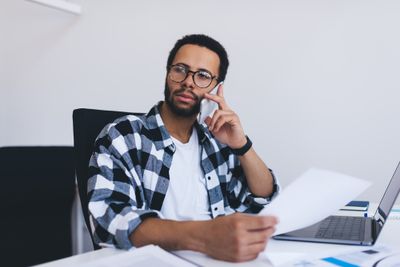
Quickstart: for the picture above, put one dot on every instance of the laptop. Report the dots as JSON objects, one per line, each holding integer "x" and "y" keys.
{"x": 350, "y": 230}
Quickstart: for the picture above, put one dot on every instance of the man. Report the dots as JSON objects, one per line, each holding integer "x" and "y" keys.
{"x": 165, "y": 179}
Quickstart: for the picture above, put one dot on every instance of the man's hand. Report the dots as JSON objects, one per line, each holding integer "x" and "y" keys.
{"x": 238, "y": 237}
{"x": 227, "y": 129}
{"x": 225, "y": 124}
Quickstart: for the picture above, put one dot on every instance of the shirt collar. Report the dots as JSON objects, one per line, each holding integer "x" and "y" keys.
{"x": 162, "y": 138}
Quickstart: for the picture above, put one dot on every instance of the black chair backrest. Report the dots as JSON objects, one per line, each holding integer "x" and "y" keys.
{"x": 37, "y": 193}
{"x": 88, "y": 123}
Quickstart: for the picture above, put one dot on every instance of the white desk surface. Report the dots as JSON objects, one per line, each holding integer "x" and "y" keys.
{"x": 289, "y": 249}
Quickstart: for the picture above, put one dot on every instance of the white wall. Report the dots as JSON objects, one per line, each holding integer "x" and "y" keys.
{"x": 316, "y": 83}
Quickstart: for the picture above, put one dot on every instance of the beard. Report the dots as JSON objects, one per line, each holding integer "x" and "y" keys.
{"x": 182, "y": 112}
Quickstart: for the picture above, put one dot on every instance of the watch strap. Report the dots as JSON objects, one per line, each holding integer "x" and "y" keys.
{"x": 241, "y": 151}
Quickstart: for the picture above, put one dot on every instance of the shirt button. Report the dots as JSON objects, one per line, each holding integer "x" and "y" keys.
{"x": 216, "y": 208}
{"x": 209, "y": 177}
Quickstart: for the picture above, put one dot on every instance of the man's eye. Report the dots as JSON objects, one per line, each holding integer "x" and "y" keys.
{"x": 203, "y": 75}
{"x": 180, "y": 69}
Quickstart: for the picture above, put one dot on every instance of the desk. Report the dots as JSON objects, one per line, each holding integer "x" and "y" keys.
{"x": 275, "y": 247}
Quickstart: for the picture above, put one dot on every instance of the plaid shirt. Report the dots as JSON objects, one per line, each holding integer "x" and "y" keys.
{"x": 129, "y": 177}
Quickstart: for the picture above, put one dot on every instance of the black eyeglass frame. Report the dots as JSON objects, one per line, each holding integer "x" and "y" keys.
{"x": 193, "y": 74}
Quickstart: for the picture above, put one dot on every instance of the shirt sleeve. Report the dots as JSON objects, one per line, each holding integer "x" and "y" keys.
{"x": 116, "y": 199}
{"x": 239, "y": 195}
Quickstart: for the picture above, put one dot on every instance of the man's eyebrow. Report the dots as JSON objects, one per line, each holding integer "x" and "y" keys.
{"x": 183, "y": 64}
{"x": 204, "y": 70}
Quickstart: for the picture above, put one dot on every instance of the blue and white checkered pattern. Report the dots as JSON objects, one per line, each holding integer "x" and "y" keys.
{"x": 129, "y": 177}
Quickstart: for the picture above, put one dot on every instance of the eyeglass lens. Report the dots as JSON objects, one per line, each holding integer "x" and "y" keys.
{"x": 201, "y": 78}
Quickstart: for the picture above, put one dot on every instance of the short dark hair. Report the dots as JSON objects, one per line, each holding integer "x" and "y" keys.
{"x": 207, "y": 42}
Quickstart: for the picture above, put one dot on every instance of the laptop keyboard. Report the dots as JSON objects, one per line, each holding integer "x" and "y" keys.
{"x": 342, "y": 227}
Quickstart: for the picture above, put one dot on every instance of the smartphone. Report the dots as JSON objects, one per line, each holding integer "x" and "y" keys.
{"x": 207, "y": 107}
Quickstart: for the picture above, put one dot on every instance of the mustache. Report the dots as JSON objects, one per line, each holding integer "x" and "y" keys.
{"x": 183, "y": 90}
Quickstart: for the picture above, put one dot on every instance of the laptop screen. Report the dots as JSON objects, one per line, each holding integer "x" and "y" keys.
{"x": 389, "y": 198}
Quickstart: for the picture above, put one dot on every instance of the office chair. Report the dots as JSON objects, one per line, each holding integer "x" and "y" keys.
{"x": 87, "y": 124}
{"x": 37, "y": 192}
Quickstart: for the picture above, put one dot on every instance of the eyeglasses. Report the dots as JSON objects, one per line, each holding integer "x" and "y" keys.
{"x": 201, "y": 78}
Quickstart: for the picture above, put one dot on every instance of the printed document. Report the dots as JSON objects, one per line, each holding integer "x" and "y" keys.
{"x": 149, "y": 255}
{"x": 313, "y": 196}
{"x": 380, "y": 256}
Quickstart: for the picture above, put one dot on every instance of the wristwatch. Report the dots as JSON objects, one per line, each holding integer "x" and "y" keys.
{"x": 241, "y": 151}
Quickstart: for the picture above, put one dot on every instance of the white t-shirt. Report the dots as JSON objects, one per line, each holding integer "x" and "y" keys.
{"x": 187, "y": 197}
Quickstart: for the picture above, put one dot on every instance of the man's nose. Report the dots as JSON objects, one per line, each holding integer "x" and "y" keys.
{"x": 189, "y": 81}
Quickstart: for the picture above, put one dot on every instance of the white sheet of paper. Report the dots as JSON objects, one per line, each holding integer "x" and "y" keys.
{"x": 313, "y": 196}
{"x": 351, "y": 256}
{"x": 149, "y": 255}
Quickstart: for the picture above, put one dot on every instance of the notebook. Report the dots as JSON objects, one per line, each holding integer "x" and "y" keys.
{"x": 350, "y": 230}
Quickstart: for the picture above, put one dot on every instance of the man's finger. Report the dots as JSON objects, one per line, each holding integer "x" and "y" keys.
{"x": 227, "y": 118}
{"x": 207, "y": 120}
{"x": 216, "y": 116}
{"x": 220, "y": 91}
{"x": 251, "y": 252}
{"x": 219, "y": 100}
{"x": 259, "y": 222}
{"x": 261, "y": 236}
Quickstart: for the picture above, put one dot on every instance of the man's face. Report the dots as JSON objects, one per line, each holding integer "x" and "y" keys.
{"x": 184, "y": 97}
